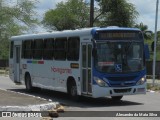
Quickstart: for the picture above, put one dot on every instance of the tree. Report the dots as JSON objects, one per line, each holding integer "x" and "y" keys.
{"x": 144, "y": 28}
{"x": 117, "y": 13}
{"x": 14, "y": 20}
{"x": 158, "y": 35}
{"x": 72, "y": 14}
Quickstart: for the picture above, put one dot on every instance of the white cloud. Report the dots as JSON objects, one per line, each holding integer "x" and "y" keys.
{"x": 45, "y": 5}
{"x": 146, "y": 9}
{"x": 48, "y": 4}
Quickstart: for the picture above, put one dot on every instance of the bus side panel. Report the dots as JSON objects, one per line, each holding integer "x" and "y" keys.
{"x": 42, "y": 74}
{"x": 62, "y": 71}
{"x": 26, "y": 68}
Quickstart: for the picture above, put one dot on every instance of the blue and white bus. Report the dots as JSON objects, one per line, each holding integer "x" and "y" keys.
{"x": 93, "y": 62}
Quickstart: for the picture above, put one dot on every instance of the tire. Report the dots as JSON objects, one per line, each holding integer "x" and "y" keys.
{"x": 73, "y": 92}
{"x": 116, "y": 98}
{"x": 28, "y": 83}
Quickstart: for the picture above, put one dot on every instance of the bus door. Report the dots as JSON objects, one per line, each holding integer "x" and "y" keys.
{"x": 86, "y": 68}
{"x": 17, "y": 64}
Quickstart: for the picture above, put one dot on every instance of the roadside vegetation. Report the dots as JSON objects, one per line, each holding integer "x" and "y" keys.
{"x": 15, "y": 18}
{"x": 156, "y": 87}
{"x": 148, "y": 39}
{"x": 4, "y": 71}
{"x": 149, "y": 42}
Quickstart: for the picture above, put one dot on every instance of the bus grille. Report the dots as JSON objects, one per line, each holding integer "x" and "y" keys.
{"x": 121, "y": 85}
{"x": 122, "y": 78}
{"x": 122, "y": 90}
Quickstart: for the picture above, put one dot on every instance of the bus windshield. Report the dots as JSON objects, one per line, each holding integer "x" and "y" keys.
{"x": 119, "y": 57}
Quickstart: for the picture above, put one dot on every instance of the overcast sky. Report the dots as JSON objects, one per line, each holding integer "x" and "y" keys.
{"x": 146, "y": 9}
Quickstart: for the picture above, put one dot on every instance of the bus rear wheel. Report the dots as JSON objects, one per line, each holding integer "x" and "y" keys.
{"x": 28, "y": 83}
{"x": 116, "y": 98}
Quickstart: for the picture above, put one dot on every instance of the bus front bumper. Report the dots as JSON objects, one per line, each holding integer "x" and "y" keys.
{"x": 98, "y": 91}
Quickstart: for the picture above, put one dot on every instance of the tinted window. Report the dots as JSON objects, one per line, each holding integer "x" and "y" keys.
{"x": 48, "y": 49}
{"x": 27, "y": 49}
{"x": 73, "y": 49}
{"x": 38, "y": 49}
{"x": 60, "y": 48}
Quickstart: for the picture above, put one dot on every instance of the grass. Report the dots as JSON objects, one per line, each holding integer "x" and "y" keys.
{"x": 149, "y": 42}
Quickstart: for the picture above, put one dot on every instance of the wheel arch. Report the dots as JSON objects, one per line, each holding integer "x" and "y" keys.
{"x": 70, "y": 80}
{"x": 26, "y": 73}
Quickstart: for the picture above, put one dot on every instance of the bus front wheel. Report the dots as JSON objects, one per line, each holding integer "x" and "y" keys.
{"x": 73, "y": 92}
{"x": 116, "y": 98}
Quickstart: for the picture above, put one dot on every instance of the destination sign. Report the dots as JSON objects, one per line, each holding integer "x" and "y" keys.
{"x": 119, "y": 35}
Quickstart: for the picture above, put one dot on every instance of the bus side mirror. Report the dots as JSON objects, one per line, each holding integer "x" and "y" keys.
{"x": 146, "y": 51}
{"x": 94, "y": 52}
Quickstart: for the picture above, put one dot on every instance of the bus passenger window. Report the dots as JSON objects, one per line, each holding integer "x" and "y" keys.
{"x": 27, "y": 49}
{"x": 73, "y": 49}
{"x": 38, "y": 49}
{"x": 48, "y": 49}
{"x": 60, "y": 49}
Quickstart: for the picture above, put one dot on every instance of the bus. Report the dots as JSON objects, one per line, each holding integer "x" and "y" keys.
{"x": 93, "y": 62}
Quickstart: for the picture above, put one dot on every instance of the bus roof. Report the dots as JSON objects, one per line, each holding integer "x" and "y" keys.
{"x": 113, "y": 28}
{"x": 69, "y": 33}
{"x": 65, "y": 33}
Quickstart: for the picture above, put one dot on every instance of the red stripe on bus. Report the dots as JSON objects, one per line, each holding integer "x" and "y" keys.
{"x": 40, "y": 62}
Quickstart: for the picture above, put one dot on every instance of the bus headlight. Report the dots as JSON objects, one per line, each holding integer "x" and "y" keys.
{"x": 100, "y": 82}
{"x": 141, "y": 81}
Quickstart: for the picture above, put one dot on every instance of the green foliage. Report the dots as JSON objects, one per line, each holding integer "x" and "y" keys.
{"x": 14, "y": 20}
{"x": 117, "y": 13}
{"x": 67, "y": 15}
{"x": 141, "y": 26}
{"x": 75, "y": 14}
{"x": 158, "y": 35}
{"x": 149, "y": 39}
{"x": 4, "y": 48}
{"x": 24, "y": 12}
{"x": 149, "y": 42}
{"x": 144, "y": 29}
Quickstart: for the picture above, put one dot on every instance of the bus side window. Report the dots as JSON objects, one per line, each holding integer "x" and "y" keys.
{"x": 38, "y": 49}
{"x": 73, "y": 49}
{"x": 27, "y": 49}
{"x": 48, "y": 49}
{"x": 60, "y": 48}
{"x": 11, "y": 49}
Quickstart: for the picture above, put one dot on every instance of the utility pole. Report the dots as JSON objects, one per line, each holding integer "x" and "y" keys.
{"x": 1, "y": 13}
{"x": 91, "y": 12}
{"x": 155, "y": 44}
